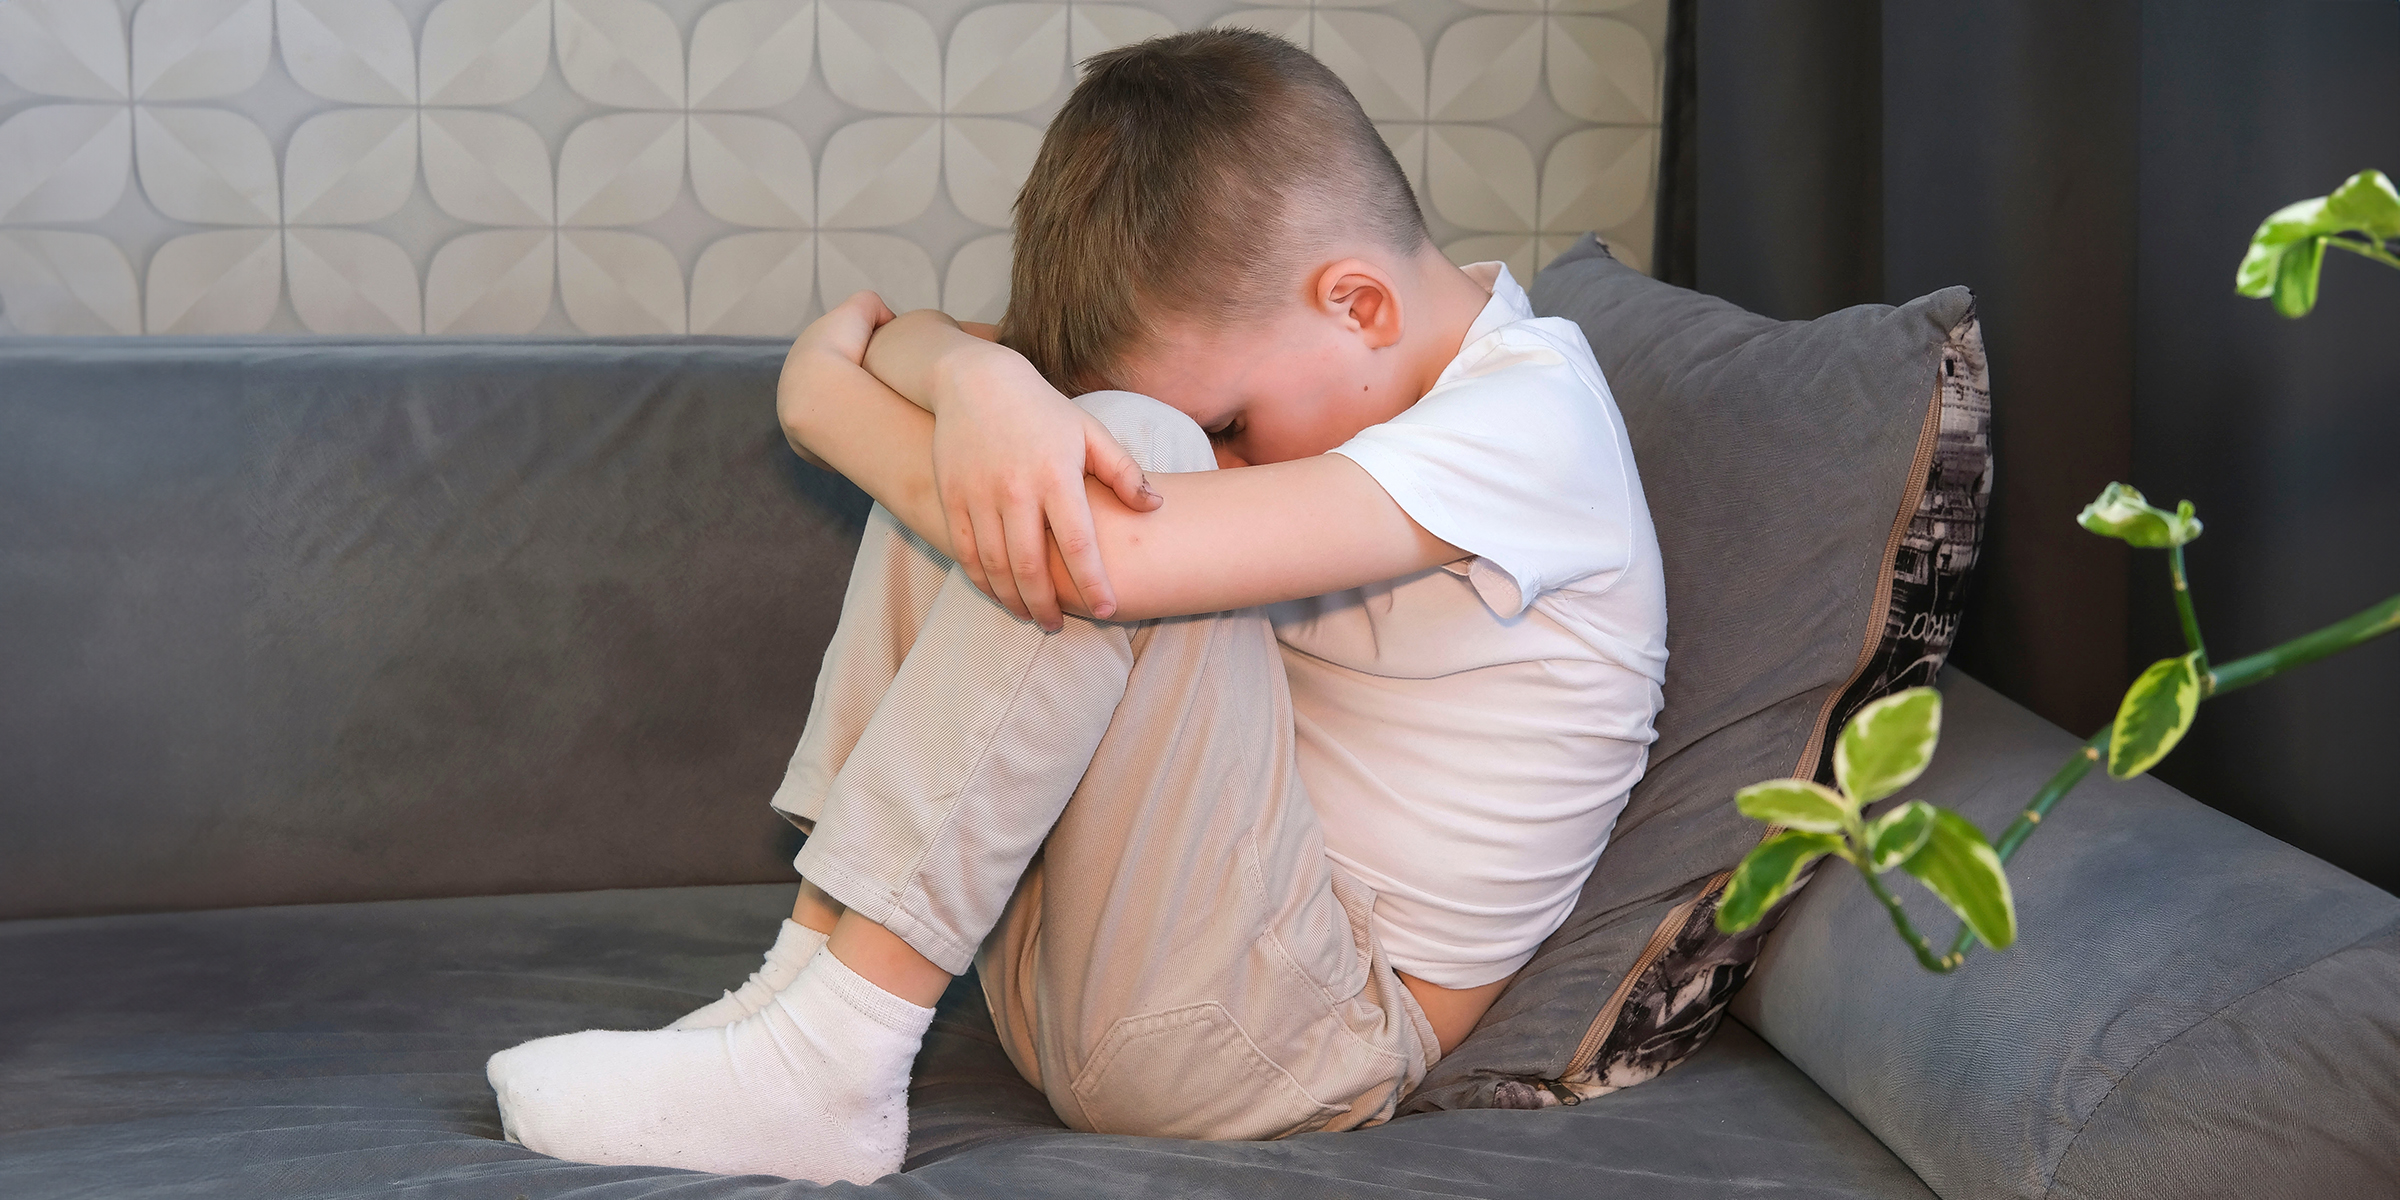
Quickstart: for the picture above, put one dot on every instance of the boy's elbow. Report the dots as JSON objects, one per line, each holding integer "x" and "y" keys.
{"x": 791, "y": 418}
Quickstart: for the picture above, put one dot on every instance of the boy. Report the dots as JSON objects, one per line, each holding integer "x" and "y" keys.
{"x": 1225, "y": 871}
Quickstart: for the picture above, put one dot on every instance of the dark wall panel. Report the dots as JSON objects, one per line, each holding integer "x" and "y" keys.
{"x": 2282, "y": 432}
{"x": 1789, "y": 205}
{"x": 2008, "y": 165}
{"x": 2092, "y": 168}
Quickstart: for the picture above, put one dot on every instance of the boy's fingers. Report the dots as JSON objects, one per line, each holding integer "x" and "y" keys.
{"x": 962, "y": 543}
{"x": 991, "y": 546}
{"x": 1029, "y": 564}
{"x": 1108, "y": 462}
{"x": 1070, "y": 515}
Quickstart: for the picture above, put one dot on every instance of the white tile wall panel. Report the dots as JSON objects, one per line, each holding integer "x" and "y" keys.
{"x": 491, "y": 281}
{"x": 348, "y": 51}
{"x": 755, "y": 284}
{"x": 549, "y": 167}
{"x": 206, "y": 166}
{"x": 222, "y": 281}
{"x": 483, "y": 52}
{"x": 64, "y": 48}
{"x": 75, "y": 283}
{"x": 66, "y": 162}
{"x": 348, "y": 281}
{"x": 486, "y": 168}
{"x": 198, "y": 49}
{"x": 351, "y": 166}
{"x": 749, "y": 54}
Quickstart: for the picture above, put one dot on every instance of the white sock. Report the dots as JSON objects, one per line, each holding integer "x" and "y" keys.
{"x": 813, "y": 1086}
{"x": 795, "y": 944}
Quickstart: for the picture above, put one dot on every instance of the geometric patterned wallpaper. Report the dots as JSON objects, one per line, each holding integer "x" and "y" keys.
{"x": 696, "y": 166}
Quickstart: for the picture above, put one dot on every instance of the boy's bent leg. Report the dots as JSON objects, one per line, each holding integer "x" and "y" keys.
{"x": 1183, "y": 960}
{"x": 893, "y": 580}
{"x": 978, "y": 740}
{"x": 925, "y": 828}
{"x": 1189, "y": 965}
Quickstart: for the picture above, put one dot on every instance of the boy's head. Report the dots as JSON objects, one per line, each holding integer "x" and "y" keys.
{"x": 1195, "y": 190}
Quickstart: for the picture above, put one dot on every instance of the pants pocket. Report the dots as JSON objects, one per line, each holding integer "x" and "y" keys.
{"x": 1192, "y": 1072}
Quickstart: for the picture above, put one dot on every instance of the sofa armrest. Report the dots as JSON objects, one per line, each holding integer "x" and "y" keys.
{"x": 2192, "y": 1008}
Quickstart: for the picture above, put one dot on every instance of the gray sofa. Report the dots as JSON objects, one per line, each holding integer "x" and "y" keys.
{"x": 368, "y": 707}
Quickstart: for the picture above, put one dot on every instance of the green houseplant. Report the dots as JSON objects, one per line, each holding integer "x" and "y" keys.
{"x": 1891, "y": 741}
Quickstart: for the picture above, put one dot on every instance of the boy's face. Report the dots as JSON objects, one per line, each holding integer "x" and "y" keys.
{"x": 1289, "y": 387}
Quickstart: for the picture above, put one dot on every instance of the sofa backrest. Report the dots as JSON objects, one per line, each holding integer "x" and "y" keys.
{"x": 320, "y": 620}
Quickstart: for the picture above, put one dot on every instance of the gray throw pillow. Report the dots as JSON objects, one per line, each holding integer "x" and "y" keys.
{"x": 1819, "y": 490}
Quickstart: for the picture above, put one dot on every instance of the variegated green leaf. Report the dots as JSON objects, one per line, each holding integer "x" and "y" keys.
{"x": 2157, "y": 709}
{"x": 1957, "y": 864}
{"x": 1894, "y": 836}
{"x": 2296, "y": 277}
{"x": 2366, "y": 202}
{"x": 2287, "y": 254}
{"x": 2260, "y": 266}
{"x": 1768, "y": 872}
{"x": 1795, "y": 804}
{"x": 2293, "y": 222}
{"x": 1886, "y": 746}
{"x": 2122, "y": 512}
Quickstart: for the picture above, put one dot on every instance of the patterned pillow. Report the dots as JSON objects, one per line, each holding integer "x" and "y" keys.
{"x": 1819, "y": 491}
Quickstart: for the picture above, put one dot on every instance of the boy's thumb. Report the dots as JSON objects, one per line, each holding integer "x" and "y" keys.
{"x": 1111, "y": 465}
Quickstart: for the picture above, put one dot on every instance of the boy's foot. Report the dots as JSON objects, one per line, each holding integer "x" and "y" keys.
{"x": 795, "y": 944}
{"x": 814, "y": 1086}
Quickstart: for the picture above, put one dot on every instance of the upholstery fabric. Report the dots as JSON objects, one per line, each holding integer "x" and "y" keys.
{"x": 628, "y": 167}
{"x": 1818, "y": 489}
{"x": 2192, "y": 1009}
{"x": 327, "y": 1051}
{"x": 301, "y": 620}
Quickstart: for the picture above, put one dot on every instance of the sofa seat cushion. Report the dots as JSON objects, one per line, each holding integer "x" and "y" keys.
{"x": 338, "y": 1050}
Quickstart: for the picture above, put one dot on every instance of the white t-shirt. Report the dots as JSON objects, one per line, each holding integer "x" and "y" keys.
{"x": 1468, "y": 734}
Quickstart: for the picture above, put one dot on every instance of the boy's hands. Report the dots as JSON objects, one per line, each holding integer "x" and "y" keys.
{"x": 1009, "y": 453}
{"x": 1009, "y": 459}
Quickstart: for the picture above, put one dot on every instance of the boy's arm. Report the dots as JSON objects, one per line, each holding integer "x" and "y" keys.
{"x": 1224, "y": 539}
{"x": 1247, "y": 536}
{"x": 837, "y": 416}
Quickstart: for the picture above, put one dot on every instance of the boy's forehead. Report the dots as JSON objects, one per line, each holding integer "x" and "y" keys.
{"x": 1190, "y": 378}
{"x": 1176, "y": 350}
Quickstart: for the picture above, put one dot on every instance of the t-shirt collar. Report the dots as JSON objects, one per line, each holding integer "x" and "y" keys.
{"x": 1507, "y": 306}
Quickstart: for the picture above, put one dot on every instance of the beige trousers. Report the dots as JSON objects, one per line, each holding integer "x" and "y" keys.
{"x": 1107, "y": 822}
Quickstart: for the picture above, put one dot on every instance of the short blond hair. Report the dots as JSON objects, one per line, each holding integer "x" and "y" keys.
{"x": 1184, "y": 177}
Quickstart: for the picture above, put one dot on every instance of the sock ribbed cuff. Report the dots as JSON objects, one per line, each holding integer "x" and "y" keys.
{"x": 795, "y": 941}
{"x": 874, "y": 1003}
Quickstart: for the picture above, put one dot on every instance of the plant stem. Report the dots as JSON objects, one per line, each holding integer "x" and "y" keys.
{"x": 1940, "y": 965}
{"x": 2373, "y": 250}
{"x": 2095, "y": 748}
{"x": 2183, "y": 609}
{"x": 2366, "y": 625}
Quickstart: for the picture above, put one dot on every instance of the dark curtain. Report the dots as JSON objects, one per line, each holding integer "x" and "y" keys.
{"x": 2092, "y": 168}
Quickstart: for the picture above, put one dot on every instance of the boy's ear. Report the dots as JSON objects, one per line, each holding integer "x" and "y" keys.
{"x": 1363, "y": 296}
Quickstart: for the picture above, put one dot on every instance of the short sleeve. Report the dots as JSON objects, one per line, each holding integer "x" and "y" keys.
{"x": 1518, "y": 457}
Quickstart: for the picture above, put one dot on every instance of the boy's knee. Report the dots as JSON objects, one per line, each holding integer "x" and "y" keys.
{"x": 1155, "y": 434}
